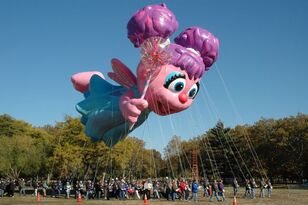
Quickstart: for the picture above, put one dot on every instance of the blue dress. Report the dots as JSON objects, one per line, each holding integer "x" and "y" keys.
{"x": 101, "y": 113}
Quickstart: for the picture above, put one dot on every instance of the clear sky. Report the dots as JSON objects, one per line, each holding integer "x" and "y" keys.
{"x": 262, "y": 68}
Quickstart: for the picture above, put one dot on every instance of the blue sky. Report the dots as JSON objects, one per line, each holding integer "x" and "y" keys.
{"x": 261, "y": 71}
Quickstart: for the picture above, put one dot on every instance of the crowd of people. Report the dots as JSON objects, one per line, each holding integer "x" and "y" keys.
{"x": 216, "y": 189}
{"x": 251, "y": 186}
{"x": 124, "y": 189}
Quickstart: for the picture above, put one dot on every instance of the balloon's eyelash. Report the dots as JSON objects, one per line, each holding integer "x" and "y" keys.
{"x": 170, "y": 80}
{"x": 198, "y": 85}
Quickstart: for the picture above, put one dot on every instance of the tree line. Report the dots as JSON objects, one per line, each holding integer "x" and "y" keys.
{"x": 267, "y": 149}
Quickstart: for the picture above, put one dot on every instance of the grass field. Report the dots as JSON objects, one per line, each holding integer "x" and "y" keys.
{"x": 279, "y": 197}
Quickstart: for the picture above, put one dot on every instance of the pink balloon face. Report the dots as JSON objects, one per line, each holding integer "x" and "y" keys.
{"x": 171, "y": 90}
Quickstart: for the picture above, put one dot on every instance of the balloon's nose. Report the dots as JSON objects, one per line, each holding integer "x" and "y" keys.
{"x": 183, "y": 98}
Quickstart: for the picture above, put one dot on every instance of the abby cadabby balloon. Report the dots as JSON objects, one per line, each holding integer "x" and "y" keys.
{"x": 166, "y": 82}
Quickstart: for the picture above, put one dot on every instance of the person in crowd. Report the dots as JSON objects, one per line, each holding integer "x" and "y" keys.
{"x": 59, "y": 188}
{"x": 156, "y": 187}
{"x": 35, "y": 185}
{"x": 11, "y": 188}
{"x": 194, "y": 190}
{"x": 221, "y": 190}
{"x": 122, "y": 189}
{"x": 168, "y": 188}
{"x": 247, "y": 189}
{"x": 102, "y": 186}
{"x": 182, "y": 189}
{"x": 53, "y": 188}
{"x": 81, "y": 188}
{"x": 269, "y": 188}
{"x": 126, "y": 188}
{"x": 262, "y": 187}
{"x": 68, "y": 188}
{"x": 2, "y": 187}
{"x": 148, "y": 186}
{"x": 110, "y": 189}
{"x": 22, "y": 187}
{"x": 215, "y": 191}
{"x": 90, "y": 189}
{"x": 44, "y": 187}
{"x": 117, "y": 188}
{"x": 210, "y": 192}
{"x": 131, "y": 191}
{"x": 187, "y": 192}
{"x": 253, "y": 185}
{"x": 75, "y": 187}
{"x": 174, "y": 190}
{"x": 105, "y": 188}
{"x": 206, "y": 185}
{"x": 235, "y": 186}
{"x": 98, "y": 189}
{"x": 139, "y": 189}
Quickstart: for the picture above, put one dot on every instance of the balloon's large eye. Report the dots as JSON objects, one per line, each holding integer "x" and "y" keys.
{"x": 177, "y": 85}
{"x": 193, "y": 91}
{"x": 175, "y": 82}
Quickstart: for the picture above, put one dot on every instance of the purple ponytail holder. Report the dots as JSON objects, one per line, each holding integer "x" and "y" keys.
{"x": 202, "y": 41}
{"x": 151, "y": 21}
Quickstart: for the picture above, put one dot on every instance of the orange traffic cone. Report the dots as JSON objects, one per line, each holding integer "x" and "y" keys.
{"x": 145, "y": 201}
{"x": 38, "y": 197}
{"x": 234, "y": 201}
{"x": 79, "y": 198}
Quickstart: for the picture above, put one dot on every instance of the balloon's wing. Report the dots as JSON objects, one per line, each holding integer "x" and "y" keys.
{"x": 122, "y": 74}
{"x": 99, "y": 95}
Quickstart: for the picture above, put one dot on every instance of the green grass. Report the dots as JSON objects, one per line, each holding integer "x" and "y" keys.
{"x": 279, "y": 197}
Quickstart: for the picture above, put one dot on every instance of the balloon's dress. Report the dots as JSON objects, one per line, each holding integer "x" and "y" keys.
{"x": 101, "y": 113}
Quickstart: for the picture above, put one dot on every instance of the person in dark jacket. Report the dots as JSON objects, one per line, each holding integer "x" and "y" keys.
{"x": 59, "y": 188}
{"x": 206, "y": 187}
{"x": 98, "y": 189}
{"x": 248, "y": 189}
{"x": 235, "y": 187}
{"x": 168, "y": 186}
{"x": 12, "y": 186}
{"x": 215, "y": 191}
{"x": 221, "y": 189}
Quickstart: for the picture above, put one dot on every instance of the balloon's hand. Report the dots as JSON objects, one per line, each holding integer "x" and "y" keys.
{"x": 132, "y": 107}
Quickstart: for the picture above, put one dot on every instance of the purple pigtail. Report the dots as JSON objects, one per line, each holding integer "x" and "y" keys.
{"x": 187, "y": 60}
{"x": 202, "y": 41}
{"x": 150, "y": 21}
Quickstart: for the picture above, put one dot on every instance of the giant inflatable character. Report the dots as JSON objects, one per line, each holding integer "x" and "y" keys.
{"x": 167, "y": 78}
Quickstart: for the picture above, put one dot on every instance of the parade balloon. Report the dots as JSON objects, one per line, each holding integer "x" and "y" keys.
{"x": 167, "y": 79}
